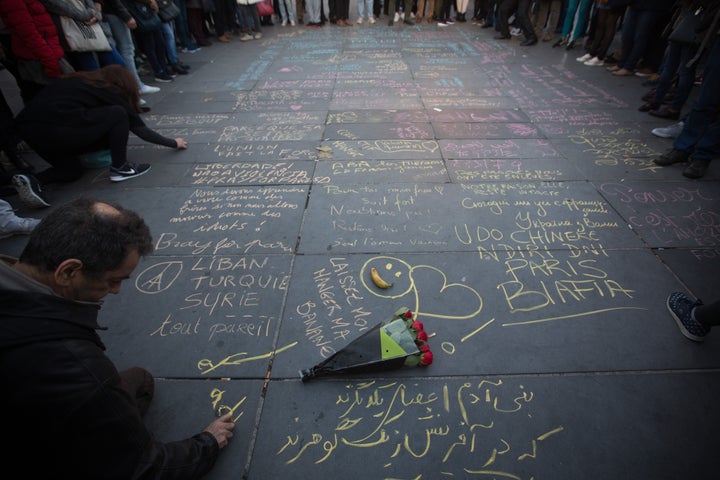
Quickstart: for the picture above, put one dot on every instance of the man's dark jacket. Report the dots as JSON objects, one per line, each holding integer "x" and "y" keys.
{"x": 63, "y": 412}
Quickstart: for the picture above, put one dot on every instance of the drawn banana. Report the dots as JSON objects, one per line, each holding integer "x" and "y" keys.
{"x": 377, "y": 279}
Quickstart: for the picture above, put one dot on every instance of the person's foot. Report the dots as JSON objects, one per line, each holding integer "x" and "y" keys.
{"x": 570, "y": 45}
{"x": 682, "y": 308}
{"x": 128, "y": 171}
{"x": 671, "y": 157}
{"x": 665, "y": 112}
{"x": 529, "y": 42}
{"x": 257, "y": 36}
{"x": 163, "y": 77}
{"x": 192, "y": 49}
{"x": 359, "y": 21}
{"x": 547, "y": 37}
{"x": 594, "y": 62}
{"x": 671, "y": 131}
{"x": 245, "y": 37}
{"x": 622, "y": 72}
{"x": 648, "y": 106}
{"x": 224, "y": 38}
{"x": 584, "y": 58}
{"x": 13, "y": 225}
{"x": 175, "y": 67}
{"x": 697, "y": 168}
{"x": 613, "y": 68}
{"x": 561, "y": 42}
{"x": 148, "y": 89}
{"x": 371, "y": 19}
{"x": 29, "y": 191}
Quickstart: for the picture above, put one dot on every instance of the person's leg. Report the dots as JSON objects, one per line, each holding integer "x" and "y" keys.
{"x": 608, "y": 34}
{"x": 686, "y": 78}
{"x": 181, "y": 26}
{"x": 580, "y": 22}
{"x": 523, "y": 19}
{"x": 125, "y": 45}
{"x": 667, "y": 72}
{"x": 505, "y": 8}
{"x": 705, "y": 109}
{"x": 569, "y": 17}
{"x": 83, "y": 61}
{"x": 112, "y": 57}
{"x": 708, "y": 315}
{"x": 644, "y": 28}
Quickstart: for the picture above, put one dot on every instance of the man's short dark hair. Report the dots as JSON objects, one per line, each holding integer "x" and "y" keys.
{"x": 100, "y": 237}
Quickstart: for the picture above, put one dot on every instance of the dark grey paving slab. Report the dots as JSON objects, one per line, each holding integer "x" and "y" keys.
{"x": 478, "y": 115}
{"x": 491, "y": 427}
{"x": 486, "y": 130}
{"x": 500, "y": 312}
{"x": 183, "y": 408}
{"x": 697, "y": 269}
{"x": 668, "y": 214}
{"x": 204, "y": 315}
{"x": 377, "y": 116}
{"x": 284, "y": 100}
{"x": 485, "y": 216}
{"x": 216, "y": 221}
{"x": 506, "y": 170}
{"x": 507, "y": 148}
{"x": 372, "y": 171}
{"x": 400, "y": 149}
{"x": 390, "y": 131}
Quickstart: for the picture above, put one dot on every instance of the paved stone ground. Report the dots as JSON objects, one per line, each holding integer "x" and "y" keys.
{"x": 509, "y": 195}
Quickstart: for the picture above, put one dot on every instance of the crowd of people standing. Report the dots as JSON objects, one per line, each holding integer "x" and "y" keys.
{"x": 107, "y": 85}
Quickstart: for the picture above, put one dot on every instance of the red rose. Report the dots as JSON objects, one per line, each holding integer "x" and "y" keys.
{"x": 426, "y": 359}
{"x": 424, "y": 348}
{"x": 422, "y": 336}
{"x": 418, "y": 326}
{"x": 407, "y": 314}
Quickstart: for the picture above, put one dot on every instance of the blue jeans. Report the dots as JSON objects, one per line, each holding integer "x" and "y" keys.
{"x": 169, "y": 40}
{"x": 124, "y": 43}
{"x": 637, "y": 30}
{"x": 313, "y": 10}
{"x": 181, "y": 26}
{"x": 89, "y": 61}
{"x": 365, "y": 8}
{"x": 677, "y": 55}
{"x": 249, "y": 18}
{"x": 287, "y": 10}
{"x": 701, "y": 133}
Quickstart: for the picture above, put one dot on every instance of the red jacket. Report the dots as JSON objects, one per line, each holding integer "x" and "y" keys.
{"x": 33, "y": 33}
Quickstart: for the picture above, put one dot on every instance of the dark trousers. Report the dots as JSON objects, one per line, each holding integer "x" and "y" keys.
{"x": 60, "y": 145}
{"x": 522, "y": 15}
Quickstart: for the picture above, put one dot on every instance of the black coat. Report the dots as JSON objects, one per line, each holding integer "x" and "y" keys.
{"x": 63, "y": 412}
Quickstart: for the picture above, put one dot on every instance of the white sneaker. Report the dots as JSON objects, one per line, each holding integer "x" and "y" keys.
{"x": 396, "y": 18}
{"x": 594, "y": 62}
{"x": 292, "y": 23}
{"x": 284, "y": 23}
{"x": 584, "y": 58}
{"x": 669, "y": 132}
{"x": 11, "y": 224}
{"x": 371, "y": 19}
{"x": 359, "y": 21}
{"x": 147, "y": 89}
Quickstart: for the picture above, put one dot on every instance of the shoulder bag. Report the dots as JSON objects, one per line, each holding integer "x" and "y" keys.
{"x": 685, "y": 29}
{"x": 82, "y": 37}
{"x": 265, "y": 8}
{"x": 168, "y": 11}
{"x": 146, "y": 19}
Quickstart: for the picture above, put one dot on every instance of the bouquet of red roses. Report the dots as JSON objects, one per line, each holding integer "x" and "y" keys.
{"x": 400, "y": 342}
{"x": 417, "y": 330}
